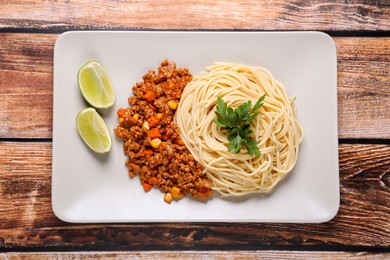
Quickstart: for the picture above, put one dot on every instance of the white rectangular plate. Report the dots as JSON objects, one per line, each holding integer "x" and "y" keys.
{"x": 87, "y": 187}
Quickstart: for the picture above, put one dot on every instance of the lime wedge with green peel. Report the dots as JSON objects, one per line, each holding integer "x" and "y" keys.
{"x": 93, "y": 130}
{"x": 95, "y": 85}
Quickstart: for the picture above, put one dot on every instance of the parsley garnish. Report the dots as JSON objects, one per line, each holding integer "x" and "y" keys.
{"x": 237, "y": 123}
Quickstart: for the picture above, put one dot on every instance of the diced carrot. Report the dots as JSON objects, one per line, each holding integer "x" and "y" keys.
{"x": 148, "y": 153}
{"x": 154, "y": 181}
{"x": 146, "y": 186}
{"x": 179, "y": 141}
{"x": 166, "y": 137}
{"x": 149, "y": 96}
{"x": 121, "y": 112}
{"x": 153, "y": 120}
{"x": 154, "y": 133}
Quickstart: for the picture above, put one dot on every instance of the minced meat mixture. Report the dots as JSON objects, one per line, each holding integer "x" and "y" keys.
{"x": 152, "y": 141}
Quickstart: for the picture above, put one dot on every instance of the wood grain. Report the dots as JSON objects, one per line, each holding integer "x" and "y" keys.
{"x": 195, "y": 255}
{"x": 169, "y": 14}
{"x": 26, "y": 86}
{"x": 27, "y": 220}
{"x": 364, "y": 87}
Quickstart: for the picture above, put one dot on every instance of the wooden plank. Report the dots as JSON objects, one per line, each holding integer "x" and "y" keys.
{"x": 27, "y": 220}
{"x": 251, "y": 14}
{"x": 195, "y": 255}
{"x": 364, "y": 87}
{"x": 26, "y": 85}
{"x": 26, "y": 64}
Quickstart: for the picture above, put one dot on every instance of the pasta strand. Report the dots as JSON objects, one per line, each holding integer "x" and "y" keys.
{"x": 276, "y": 128}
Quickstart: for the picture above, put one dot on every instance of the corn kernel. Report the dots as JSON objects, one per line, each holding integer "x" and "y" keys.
{"x": 155, "y": 143}
{"x": 159, "y": 116}
{"x": 175, "y": 191}
{"x": 172, "y": 104}
{"x": 135, "y": 118}
{"x": 168, "y": 197}
{"x": 121, "y": 120}
{"x": 146, "y": 125}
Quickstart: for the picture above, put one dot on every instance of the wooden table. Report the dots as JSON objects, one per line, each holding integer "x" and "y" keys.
{"x": 28, "y": 227}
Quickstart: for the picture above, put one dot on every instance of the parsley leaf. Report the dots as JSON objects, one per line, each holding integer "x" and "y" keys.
{"x": 237, "y": 123}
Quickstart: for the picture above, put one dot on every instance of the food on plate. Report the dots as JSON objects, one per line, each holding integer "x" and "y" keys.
{"x": 95, "y": 85}
{"x": 275, "y": 128}
{"x": 232, "y": 129}
{"x": 152, "y": 140}
{"x": 237, "y": 124}
{"x": 93, "y": 130}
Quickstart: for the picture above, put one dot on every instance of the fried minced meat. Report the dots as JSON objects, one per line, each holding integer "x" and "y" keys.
{"x": 152, "y": 141}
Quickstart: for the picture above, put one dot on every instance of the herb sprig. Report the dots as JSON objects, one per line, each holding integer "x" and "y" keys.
{"x": 237, "y": 123}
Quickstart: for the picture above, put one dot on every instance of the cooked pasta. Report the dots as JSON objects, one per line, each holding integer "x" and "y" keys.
{"x": 276, "y": 128}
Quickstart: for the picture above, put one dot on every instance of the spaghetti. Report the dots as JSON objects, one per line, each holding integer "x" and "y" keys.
{"x": 276, "y": 128}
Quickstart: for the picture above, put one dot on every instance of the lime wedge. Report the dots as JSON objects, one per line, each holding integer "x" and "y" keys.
{"x": 93, "y": 130}
{"x": 95, "y": 85}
